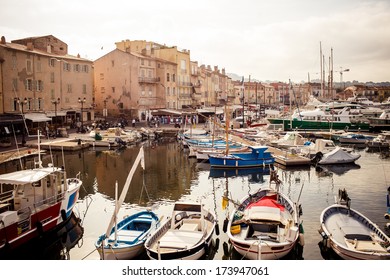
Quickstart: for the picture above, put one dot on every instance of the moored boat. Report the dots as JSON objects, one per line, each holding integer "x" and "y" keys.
{"x": 183, "y": 236}
{"x": 256, "y": 158}
{"x": 35, "y": 201}
{"x": 127, "y": 238}
{"x": 266, "y": 224}
{"x": 318, "y": 119}
{"x": 350, "y": 234}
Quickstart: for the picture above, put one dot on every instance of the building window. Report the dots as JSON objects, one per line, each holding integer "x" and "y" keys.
{"x": 39, "y": 85}
{"x": 84, "y": 89}
{"x": 14, "y": 62}
{"x": 150, "y": 91}
{"x": 52, "y": 62}
{"x": 29, "y": 84}
{"x": 39, "y": 66}
{"x": 40, "y": 103}
{"x": 67, "y": 66}
{"x": 113, "y": 89}
{"x": 168, "y": 91}
{"x": 173, "y": 77}
{"x": 69, "y": 88}
{"x": 102, "y": 90}
{"x": 112, "y": 63}
{"x": 52, "y": 77}
{"x": 167, "y": 77}
{"x": 101, "y": 76}
{"x": 143, "y": 90}
{"x": 76, "y": 68}
{"x": 142, "y": 62}
{"x": 29, "y": 66}
{"x": 85, "y": 68}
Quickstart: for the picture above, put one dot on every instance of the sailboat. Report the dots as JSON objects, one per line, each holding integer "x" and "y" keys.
{"x": 125, "y": 239}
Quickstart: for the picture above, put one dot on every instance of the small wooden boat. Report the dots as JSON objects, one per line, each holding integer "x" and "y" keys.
{"x": 127, "y": 238}
{"x": 350, "y": 234}
{"x": 266, "y": 224}
{"x": 185, "y": 235}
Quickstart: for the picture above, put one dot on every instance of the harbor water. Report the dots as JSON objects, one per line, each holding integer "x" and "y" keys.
{"x": 170, "y": 176}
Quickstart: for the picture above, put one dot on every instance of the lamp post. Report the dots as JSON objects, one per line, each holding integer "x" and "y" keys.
{"x": 56, "y": 102}
{"x": 21, "y": 103}
{"x": 105, "y": 109}
{"x": 82, "y": 101}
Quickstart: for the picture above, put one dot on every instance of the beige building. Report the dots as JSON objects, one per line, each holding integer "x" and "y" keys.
{"x": 132, "y": 84}
{"x": 42, "y": 82}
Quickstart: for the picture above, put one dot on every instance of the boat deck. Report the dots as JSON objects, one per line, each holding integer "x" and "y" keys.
{"x": 352, "y": 234}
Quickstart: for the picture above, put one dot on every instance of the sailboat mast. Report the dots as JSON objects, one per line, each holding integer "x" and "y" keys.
{"x": 322, "y": 87}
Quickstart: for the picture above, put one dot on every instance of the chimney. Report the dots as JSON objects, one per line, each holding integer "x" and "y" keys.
{"x": 2, "y": 40}
{"x": 30, "y": 46}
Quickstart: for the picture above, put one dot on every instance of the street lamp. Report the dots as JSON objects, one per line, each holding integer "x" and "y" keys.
{"x": 21, "y": 103}
{"x": 56, "y": 102}
{"x": 105, "y": 109}
{"x": 82, "y": 101}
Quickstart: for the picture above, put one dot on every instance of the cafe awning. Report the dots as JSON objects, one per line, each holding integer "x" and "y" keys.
{"x": 58, "y": 113}
{"x": 36, "y": 117}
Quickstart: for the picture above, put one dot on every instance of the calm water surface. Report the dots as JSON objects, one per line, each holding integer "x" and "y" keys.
{"x": 171, "y": 176}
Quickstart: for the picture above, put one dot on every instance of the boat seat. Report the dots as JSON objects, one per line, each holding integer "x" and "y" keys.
{"x": 178, "y": 239}
{"x": 189, "y": 227}
{"x": 126, "y": 235}
{"x": 365, "y": 245}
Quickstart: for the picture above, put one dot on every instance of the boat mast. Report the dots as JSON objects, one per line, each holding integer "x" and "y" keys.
{"x": 322, "y": 80}
{"x": 140, "y": 159}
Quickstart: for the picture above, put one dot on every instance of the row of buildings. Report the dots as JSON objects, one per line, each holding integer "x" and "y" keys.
{"x": 41, "y": 82}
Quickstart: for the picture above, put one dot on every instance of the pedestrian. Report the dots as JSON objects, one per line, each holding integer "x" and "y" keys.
{"x": 133, "y": 121}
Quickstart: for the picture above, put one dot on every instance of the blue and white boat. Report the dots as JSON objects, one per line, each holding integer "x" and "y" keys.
{"x": 257, "y": 157}
{"x": 127, "y": 238}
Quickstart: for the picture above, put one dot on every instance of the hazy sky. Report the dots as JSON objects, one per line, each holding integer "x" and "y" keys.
{"x": 268, "y": 40}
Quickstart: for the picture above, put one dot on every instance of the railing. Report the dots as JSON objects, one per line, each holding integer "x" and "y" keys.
{"x": 148, "y": 80}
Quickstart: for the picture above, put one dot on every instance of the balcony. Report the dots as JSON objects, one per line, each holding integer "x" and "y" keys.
{"x": 146, "y": 80}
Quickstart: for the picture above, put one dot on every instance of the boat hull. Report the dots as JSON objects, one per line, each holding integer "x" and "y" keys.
{"x": 186, "y": 235}
{"x": 252, "y": 239}
{"x": 350, "y": 234}
{"x": 46, "y": 217}
{"x": 132, "y": 233}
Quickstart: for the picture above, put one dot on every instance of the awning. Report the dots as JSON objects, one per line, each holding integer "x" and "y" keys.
{"x": 36, "y": 117}
{"x": 59, "y": 114}
{"x": 6, "y": 119}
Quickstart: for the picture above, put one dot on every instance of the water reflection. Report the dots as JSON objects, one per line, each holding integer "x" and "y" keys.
{"x": 51, "y": 246}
